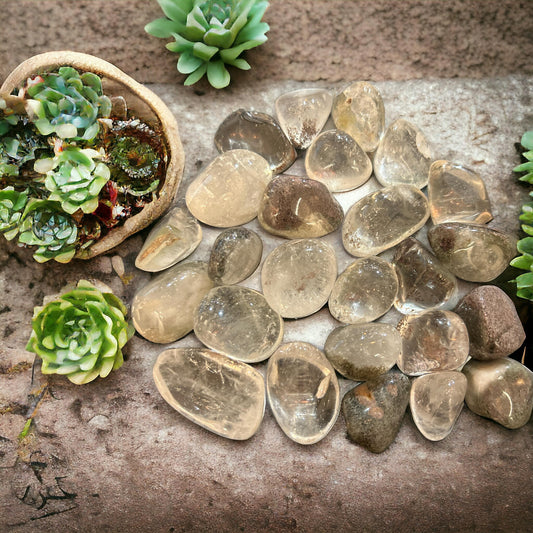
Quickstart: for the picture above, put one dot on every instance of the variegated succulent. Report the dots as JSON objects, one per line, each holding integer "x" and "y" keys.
{"x": 12, "y": 204}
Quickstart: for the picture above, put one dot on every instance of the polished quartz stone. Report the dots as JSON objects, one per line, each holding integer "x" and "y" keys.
{"x": 365, "y": 291}
{"x": 472, "y": 252}
{"x": 172, "y": 239}
{"x": 303, "y": 392}
{"x": 457, "y": 194}
{"x": 302, "y": 114}
{"x": 295, "y": 208}
{"x": 433, "y": 341}
{"x": 238, "y": 322}
{"x": 424, "y": 282}
{"x": 221, "y": 395}
{"x": 235, "y": 255}
{"x": 383, "y": 219}
{"x": 229, "y": 190}
{"x": 403, "y": 156}
{"x": 258, "y": 132}
{"x": 359, "y": 111}
{"x": 374, "y": 410}
{"x": 298, "y": 276}
{"x": 163, "y": 310}
{"x": 335, "y": 159}
{"x": 494, "y": 327}
{"x": 363, "y": 351}
{"x": 501, "y": 390}
{"x": 436, "y": 402}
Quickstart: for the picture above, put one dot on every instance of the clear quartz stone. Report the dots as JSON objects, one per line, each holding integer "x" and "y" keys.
{"x": 303, "y": 392}
{"x": 221, "y": 395}
{"x": 335, "y": 159}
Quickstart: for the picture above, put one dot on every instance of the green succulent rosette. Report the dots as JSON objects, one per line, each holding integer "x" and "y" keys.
{"x": 12, "y": 204}
{"x": 80, "y": 334}
{"x": 210, "y": 34}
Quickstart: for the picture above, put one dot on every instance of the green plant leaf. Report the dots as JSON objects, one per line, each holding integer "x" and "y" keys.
{"x": 188, "y": 63}
{"x": 525, "y": 245}
{"x": 233, "y": 53}
{"x": 524, "y": 167}
{"x": 203, "y": 51}
{"x": 240, "y": 63}
{"x": 527, "y": 140}
{"x": 163, "y": 28}
{"x": 181, "y": 45}
{"x": 528, "y": 178}
{"x": 528, "y": 229}
{"x": 524, "y": 262}
{"x": 219, "y": 37}
{"x": 196, "y": 75}
{"x": 253, "y": 32}
{"x": 176, "y": 9}
{"x": 525, "y": 281}
{"x": 217, "y": 74}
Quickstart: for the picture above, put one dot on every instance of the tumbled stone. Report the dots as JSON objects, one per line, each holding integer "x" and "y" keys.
{"x": 172, "y": 239}
{"x": 302, "y": 114}
{"x": 296, "y": 208}
{"x": 365, "y": 291}
{"x": 374, "y": 410}
{"x": 472, "y": 252}
{"x": 433, "y": 341}
{"x": 359, "y": 111}
{"x": 424, "y": 283}
{"x": 403, "y": 156}
{"x": 235, "y": 255}
{"x": 238, "y": 322}
{"x": 335, "y": 159}
{"x": 382, "y": 219}
{"x": 259, "y": 133}
{"x": 229, "y": 190}
{"x": 436, "y": 402}
{"x": 501, "y": 390}
{"x": 163, "y": 310}
{"x": 223, "y": 396}
{"x": 494, "y": 328}
{"x": 457, "y": 194}
{"x": 303, "y": 392}
{"x": 298, "y": 276}
{"x": 363, "y": 351}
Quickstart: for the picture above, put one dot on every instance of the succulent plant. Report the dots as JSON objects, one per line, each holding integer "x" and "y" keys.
{"x": 12, "y": 204}
{"x": 80, "y": 334}
{"x": 210, "y": 34}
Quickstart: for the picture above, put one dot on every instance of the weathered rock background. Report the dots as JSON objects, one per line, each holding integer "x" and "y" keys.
{"x": 112, "y": 455}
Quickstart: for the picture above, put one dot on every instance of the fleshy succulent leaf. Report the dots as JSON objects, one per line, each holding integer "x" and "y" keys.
{"x": 163, "y": 27}
{"x": 196, "y": 75}
{"x": 188, "y": 63}
{"x": 217, "y": 74}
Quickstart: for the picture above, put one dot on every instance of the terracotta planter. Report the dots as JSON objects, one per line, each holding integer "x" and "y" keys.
{"x": 143, "y": 104}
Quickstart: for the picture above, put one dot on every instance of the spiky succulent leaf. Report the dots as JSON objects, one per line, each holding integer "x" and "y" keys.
{"x": 12, "y": 205}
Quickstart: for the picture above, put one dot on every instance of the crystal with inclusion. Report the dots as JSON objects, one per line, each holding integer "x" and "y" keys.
{"x": 433, "y": 341}
{"x": 501, "y": 390}
{"x": 172, "y": 239}
{"x": 298, "y": 276}
{"x": 457, "y": 194}
{"x": 303, "y": 392}
{"x": 335, "y": 159}
{"x": 472, "y": 252}
{"x": 258, "y": 132}
{"x": 228, "y": 191}
{"x": 163, "y": 310}
{"x": 365, "y": 291}
{"x": 436, "y": 402}
{"x": 235, "y": 255}
{"x": 221, "y": 395}
{"x": 403, "y": 156}
{"x": 296, "y": 208}
{"x": 363, "y": 351}
{"x": 302, "y": 114}
{"x": 238, "y": 322}
{"x": 359, "y": 111}
{"x": 383, "y": 219}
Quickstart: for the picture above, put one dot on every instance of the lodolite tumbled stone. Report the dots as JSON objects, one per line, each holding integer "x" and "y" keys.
{"x": 494, "y": 328}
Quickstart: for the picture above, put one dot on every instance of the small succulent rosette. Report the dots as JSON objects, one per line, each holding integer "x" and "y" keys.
{"x": 80, "y": 334}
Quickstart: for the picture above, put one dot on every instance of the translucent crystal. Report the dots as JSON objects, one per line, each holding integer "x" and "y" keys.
{"x": 383, "y": 219}
{"x": 363, "y": 351}
{"x": 364, "y": 291}
{"x": 172, "y": 239}
{"x": 302, "y": 114}
{"x": 298, "y": 276}
{"x": 432, "y": 341}
{"x": 436, "y": 402}
{"x": 221, "y": 395}
{"x": 297, "y": 208}
{"x": 303, "y": 392}
{"x": 359, "y": 111}
{"x": 238, "y": 322}
{"x": 163, "y": 310}
{"x": 457, "y": 194}
{"x": 335, "y": 159}
{"x": 403, "y": 156}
